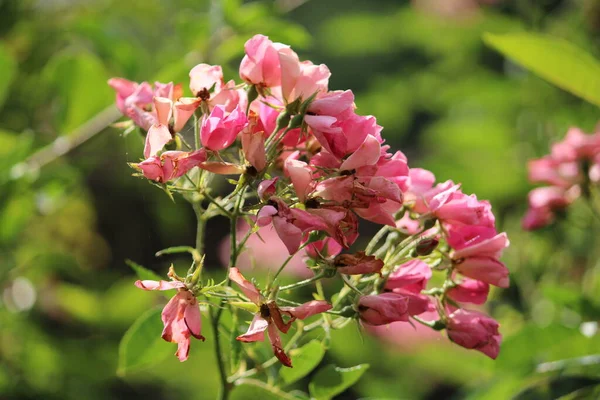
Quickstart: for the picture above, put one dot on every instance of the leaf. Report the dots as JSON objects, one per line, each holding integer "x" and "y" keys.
{"x": 304, "y": 360}
{"x": 142, "y": 345}
{"x": 8, "y": 69}
{"x": 79, "y": 78}
{"x": 255, "y": 389}
{"x": 331, "y": 380}
{"x": 558, "y": 61}
{"x": 554, "y": 388}
{"x": 142, "y": 272}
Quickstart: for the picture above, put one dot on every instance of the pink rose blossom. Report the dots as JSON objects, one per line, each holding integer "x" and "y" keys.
{"x": 219, "y": 131}
{"x": 260, "y": 65}
{"x": 473, "y": 330}
{"x": 470, "y": 291}
{"x": 412, "y": 276}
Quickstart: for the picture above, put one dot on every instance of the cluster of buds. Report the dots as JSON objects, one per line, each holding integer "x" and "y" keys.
{"x": 314, "y": 169}
{"x": 572, "y": 170}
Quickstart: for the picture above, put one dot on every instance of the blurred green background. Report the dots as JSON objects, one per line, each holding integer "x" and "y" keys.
{"x": 67, "y": 224}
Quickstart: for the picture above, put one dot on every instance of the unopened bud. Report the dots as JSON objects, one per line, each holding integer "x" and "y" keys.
{"x": 429, "y": 223}
{"x": 426, "y": 246}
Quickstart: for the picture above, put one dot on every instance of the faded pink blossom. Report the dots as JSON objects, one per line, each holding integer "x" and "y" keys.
{"x": 219, "y": 131}
{"x": 181, "y": 315}
{"x": 290, "y": 223}
{"x": 474, "y": 330}
{"x": 270, "y": 316}
{"x": 170, "y": 165}
{"x": 357, "y": 263}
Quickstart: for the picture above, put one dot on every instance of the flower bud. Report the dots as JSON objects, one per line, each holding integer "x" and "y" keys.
{"x": 426, "y": 246}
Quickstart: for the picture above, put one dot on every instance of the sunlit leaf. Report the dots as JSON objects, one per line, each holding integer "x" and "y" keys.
{"x": 556, "y": 60}
{"x": 304, "y": 360}
{"x": 142, "y": 345}
{"x": 331, "y": 380}
{"x": 556, "y": 387}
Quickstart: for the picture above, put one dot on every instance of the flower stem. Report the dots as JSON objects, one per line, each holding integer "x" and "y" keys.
{"x": 216, "y": 317}
{"x": 302, "y": 283}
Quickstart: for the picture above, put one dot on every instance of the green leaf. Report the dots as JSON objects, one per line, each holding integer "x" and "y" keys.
{"x": 554, "y": 388}
{"x": 142, "y": 345}
{"x": 79, "y": 78}
{"x": 8, "y": 69}
{"x": 556, "y": 60}
{"x": 142, "y": 272}
{"x": 331, "y": 380}
{"x": 255, "y": 389}
{"x": 304, "y": 360}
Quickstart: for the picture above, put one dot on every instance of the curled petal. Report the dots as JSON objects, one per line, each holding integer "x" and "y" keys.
{"x": 163, "y": 108}
{"x": 368, "y": 153}
{"x": 247, "y": 287}
{"x": 256, "y": 331}
{"x": 222, "y": 168}
{"x": 158, "y": 285}
{"x": 277, "y": 346}
{"x": 193, "y": 320}
{"x": 158, "y": 136}
{"x": 308, "y": 309}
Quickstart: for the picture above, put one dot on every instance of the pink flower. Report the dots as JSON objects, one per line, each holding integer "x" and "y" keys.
{"x": 181, "y": 315}
{"x": 300, "y": 79}
{"x": 260, "y": 65}
{"x": 219, "y": 131}
{"x": 253, "y": 146}
{"x": 412, "y": 276}
{"x": 290, "y": 223}
{"x": 470, "y": 291}
{"x": 170, "y": 165}
{"x": 485, "y": 269}
{"x": 385, "y": 308}
{"x": 544, "y": 202}
{"x": 454, "y": 207}
{"x": 158, "y": 134}
{"x": 204, "y": 77}
{"x": 270, "y": 316}
{"x": 267, "y": 188}
{"x": 357, "y": 263}
{"x": 470, "y": 241}
{"x": 473, "y": 330}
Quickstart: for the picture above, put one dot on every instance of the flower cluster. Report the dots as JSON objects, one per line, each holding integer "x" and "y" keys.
{"x": 572, "y": 169}
{"x": 313, "y": 169}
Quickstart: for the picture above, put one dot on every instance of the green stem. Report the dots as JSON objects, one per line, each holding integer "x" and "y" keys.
{"x": 200, "y": 227}
{"x": 378, "y": 236}
{"x": 305, "y": 282}
{"x": 216, "y": 318}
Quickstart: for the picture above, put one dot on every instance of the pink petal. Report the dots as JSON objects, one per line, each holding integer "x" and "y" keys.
{"x": 256, "y": 330}
{"x": 247, "y": 287}
{"x": 308, "y": 309}
{"x": 158, "y": 285}
{"x": 367, "y": 154}
{"x": 193, "y": 320}
{"x": 158, "y": 136}
{"x": 277, "y": 346}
